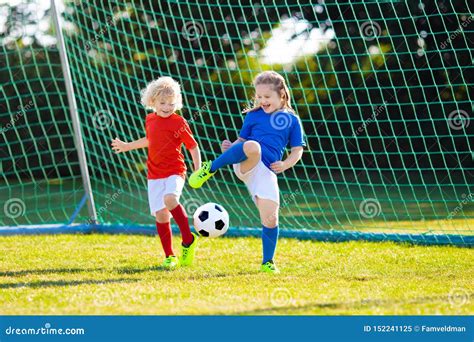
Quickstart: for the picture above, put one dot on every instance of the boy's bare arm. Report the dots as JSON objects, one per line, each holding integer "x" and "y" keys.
{"x": 120, "y": 146}
{"x": 196, "y": 156}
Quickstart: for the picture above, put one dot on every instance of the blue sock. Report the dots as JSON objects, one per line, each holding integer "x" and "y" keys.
{"x": 233, "y": 155}
{"x": 269, "y": 242}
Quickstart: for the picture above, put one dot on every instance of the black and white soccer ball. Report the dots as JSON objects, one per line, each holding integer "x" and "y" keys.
{"x": 211, "y": 220}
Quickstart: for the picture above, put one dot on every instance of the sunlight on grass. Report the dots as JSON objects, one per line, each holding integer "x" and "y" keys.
{"x": 118, "y": 274}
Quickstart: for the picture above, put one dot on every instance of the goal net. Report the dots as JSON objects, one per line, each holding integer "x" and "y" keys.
{"x": 382, "y": 89}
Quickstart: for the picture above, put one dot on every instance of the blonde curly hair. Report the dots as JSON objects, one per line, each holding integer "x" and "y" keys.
{"x": 164, "y": 86}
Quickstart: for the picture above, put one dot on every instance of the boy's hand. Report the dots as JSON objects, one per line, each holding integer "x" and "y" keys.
{"x": 119, "y": 146}
{"x": 225, "y": 145}
{"x": 278, "y": 166}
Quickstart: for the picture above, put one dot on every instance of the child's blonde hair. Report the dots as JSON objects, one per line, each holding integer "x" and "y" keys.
{"x": 278, "y": 82}
{"x": 163, "y": 86}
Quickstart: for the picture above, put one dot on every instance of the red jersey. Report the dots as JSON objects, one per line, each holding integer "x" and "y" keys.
{"x": 165, "y": 137}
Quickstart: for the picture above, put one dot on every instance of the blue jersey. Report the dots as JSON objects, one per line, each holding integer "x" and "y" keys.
{"x": 274, "y": 132}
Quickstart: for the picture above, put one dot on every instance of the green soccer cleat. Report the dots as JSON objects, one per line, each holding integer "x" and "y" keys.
{"x": 269, "y": 267}
{"x": 170, "y": 262}
{"x": 187, "y": 253}
{"x": 199, "y": 177}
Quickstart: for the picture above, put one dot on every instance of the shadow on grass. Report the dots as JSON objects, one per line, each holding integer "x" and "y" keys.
{"x": 39, "y": 284}
{"x": 202, "y": 276}
{"x": 135, "y": 270}
{"x": 121, "y": 270}
{"x": 180, "y": 272}
{"x": 294, "y": 309}
{"x": 47, "y": 271}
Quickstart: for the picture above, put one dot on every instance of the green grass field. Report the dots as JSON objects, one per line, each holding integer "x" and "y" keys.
{"x": 118, "y": 274}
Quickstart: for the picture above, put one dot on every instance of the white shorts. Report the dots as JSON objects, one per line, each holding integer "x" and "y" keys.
{"x": 260, "y": 181}
{"x": 158, "y": 188}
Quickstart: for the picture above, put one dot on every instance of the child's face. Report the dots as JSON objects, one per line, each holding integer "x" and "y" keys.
{"x": 165, "y": 105}
{"x": 269, "y": 99}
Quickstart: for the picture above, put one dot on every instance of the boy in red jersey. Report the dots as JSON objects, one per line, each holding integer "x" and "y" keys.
{"x": 166, "y": 131}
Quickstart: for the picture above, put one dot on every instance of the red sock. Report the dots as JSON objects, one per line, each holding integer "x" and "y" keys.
{"x": 179, "y": 215}
{"x": 164, "y": 231}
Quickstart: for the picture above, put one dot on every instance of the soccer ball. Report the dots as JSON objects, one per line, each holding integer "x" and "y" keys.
{"x": 211, "y": 220}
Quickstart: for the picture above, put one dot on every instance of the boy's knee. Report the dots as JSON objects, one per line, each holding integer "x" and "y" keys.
{"x": 252, "y": 148}
{"x": 171, "y": 201}
{"x": 162, "y": 216}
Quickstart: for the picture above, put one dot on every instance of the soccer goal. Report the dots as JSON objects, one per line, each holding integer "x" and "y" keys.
{"x": 382, "y": 89}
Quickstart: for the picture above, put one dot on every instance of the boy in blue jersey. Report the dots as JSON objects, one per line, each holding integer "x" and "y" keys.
{"x": 256, "y": 155}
